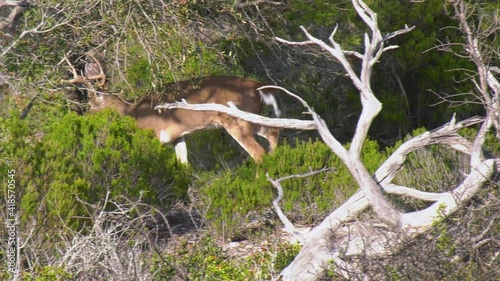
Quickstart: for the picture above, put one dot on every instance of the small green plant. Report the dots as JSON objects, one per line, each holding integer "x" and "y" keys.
{"x": 205, "y": 260}
{"x": 231, "y": 195}
{"x": 82, "y": 158}
{"x": 47, "y": 273}
{"x": 201, "y": 261}
{"x": 445, "y": 242}
{"x": 271, "y": 261}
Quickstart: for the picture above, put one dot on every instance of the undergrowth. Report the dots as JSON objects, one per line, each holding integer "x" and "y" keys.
{"x": 230, "y": 198}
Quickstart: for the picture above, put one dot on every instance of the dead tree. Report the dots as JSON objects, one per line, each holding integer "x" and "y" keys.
{"x": 340, "y": 238}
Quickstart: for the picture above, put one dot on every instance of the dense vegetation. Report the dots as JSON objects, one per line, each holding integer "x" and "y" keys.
{"x": 99, "y": 198}
{"x": 188, "y": 39}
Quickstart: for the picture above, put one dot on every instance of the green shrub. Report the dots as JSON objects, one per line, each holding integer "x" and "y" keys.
{"x": 47, "y": 273}
{"x": 201, "y": 261}
{"x": 205, "y": 260}
{"x": 229, "y": 197}
{"x": 81, "y": 159}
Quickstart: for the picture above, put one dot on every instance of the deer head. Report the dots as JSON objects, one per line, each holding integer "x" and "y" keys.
{"x": 95, "y": 76}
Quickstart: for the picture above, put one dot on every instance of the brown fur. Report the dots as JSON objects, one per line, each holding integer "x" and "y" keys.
{"x": 179, "y": 122}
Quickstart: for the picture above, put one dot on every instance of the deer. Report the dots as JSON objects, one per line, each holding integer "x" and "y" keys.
{"x": 171, "y": 126}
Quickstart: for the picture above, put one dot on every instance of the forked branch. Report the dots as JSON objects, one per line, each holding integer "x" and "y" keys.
{"x": 289, "y": 227}
{"x": 474, "y": 48}
{"x": 374, "y": 47}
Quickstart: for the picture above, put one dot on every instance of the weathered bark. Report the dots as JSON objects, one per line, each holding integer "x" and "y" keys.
{"x": 486, "y": 84}
{"x": 250, "y": 117}
{"x": 445, "y": 135}
{"x": 298, "y": 235}
{"x": 339, "y": 238}
{"x": 374, "y": 47}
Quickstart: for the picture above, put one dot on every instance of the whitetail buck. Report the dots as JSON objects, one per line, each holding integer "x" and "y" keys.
{"x": 171, "y": 126}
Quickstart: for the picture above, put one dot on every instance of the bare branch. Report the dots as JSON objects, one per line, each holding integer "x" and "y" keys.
{"x": 302, "y": 101}
{"x": 422, "y": 220}
{"x": 371, "y": 105}
{"x": 303, "y": 43}
{"x": 398, "y": 32}
{"x": 487, "y": 86}
{"x": 250, "y": 117}
{"x": 336, "y": 51}
{"x": 349, "y": 239}
{"x": 413, "y": 193}
{"x": 42, "y": 27}
{"x": 477, "y": 239}
{"x": 289, "y": 227}
{"x": 446, "y": 134}
{"x": 258, "y": 2}
{"x": 368, "y": 16}
{"x": 354, "y": 53}
{"x": 332, "y": 41}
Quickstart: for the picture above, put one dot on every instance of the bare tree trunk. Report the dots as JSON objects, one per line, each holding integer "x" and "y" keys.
{"x": 340, "y": 239}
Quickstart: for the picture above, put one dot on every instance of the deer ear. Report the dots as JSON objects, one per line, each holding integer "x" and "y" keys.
{"x": 92, "y": 95}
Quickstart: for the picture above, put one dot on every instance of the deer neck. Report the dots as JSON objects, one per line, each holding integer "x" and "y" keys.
{"x": 123, "y": 107}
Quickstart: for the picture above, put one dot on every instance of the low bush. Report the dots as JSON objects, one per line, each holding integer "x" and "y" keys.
{"x": 205, "y": 260}
{"x": 81, "y": 158}
{"x": 233, "y": 197}
{"x": 80, "y": 163}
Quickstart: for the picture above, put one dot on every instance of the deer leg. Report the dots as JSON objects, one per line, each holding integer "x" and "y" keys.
{"x": 242, "y": 132}
{"x": 181, "y": 150}
{"x": 271, "y": 134}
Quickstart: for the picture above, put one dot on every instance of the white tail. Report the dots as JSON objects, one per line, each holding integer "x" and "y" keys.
{"x": 270, "y": 99}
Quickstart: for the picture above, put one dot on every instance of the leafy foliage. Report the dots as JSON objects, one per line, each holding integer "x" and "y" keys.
{"x": 231, "y": 197}
{"x": 66, "y": 165}
{"x": 47, "y": 273}
{"x": 206, "y": 260}
{"x": 81, "y": 159}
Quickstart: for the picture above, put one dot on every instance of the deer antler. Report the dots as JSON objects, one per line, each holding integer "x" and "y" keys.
{"x": 101, "y": 74}
{"x": 79, "y": 79}
{"x": 76, "y": 78}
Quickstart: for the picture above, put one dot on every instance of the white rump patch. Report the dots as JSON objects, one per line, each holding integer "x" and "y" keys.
{"x": 165, "y": 136}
